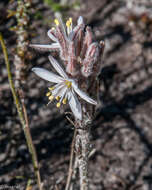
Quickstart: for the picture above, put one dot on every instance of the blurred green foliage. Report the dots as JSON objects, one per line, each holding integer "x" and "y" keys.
{"x": 59, "y": 7}
{"x": 38, "y": 15}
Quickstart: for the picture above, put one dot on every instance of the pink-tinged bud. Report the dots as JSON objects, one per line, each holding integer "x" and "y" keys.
{"x": 71, "y": 67}
{"x": 102, "y": 46}
{"x": 62, "y": 39}
{"x": 75, "y": 32}
{"x": 79, "y": 42}
{"x": 91, "y": 58}
{"x": 87, "y": 41}
{"x": 97, "y": 66}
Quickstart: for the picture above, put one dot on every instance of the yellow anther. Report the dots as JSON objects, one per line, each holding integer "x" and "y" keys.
{"x": 68, "y": 23}
{"x": 57, "y": 98}
{"x": 51, "y": 88}
{"x": 70, "y": 19}
{"x": 68, "y": 83}
{"x": 48, "y": 93}
{"x": 52, "y": 28}
{"x": 58, "y": 104}
{"x": 51, "y": 97}
{"x": 56, "y": 22}
{"x": 64, "y": 101}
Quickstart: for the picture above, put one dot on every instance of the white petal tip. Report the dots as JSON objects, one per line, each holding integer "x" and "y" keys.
{"x": 33, "y": 69}
{"x": 36, "y": 70}
{"x": 95, "y": 103}
{"x": 80, "y": 20}
{"x": 31, "y": 45}
{"x": 50, "y": 57}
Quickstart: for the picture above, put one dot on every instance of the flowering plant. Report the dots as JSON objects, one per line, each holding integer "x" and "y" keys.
{"x": 81, "y": 58}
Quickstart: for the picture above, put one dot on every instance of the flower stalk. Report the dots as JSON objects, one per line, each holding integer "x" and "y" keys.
{"x": 21, "y": 58}
{"x": 83, "y": 148}
{"x": 21, "y": 55}
{"x": 83, "y": 140}
{"x": 71, "y": 168}
{"x": 22, "y": 116}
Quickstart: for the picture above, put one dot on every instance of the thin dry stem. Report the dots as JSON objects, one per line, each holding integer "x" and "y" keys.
{"x": 22, "y": 116}
{"x": 70, "y": 172}
{"x": 32, "y": 148}
{"x": 74, "y": 174}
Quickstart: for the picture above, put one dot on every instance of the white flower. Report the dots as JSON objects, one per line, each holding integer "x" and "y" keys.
{"x": 65, "y": 89}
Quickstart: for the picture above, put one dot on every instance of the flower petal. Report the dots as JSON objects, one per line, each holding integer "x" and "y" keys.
{"x": 57, "y": 67}
{"x": 57, "y": 89}
{"x": 47, "y": 75}
{"x": 58, "y": 16}
{"x": 75, "y": 105}
{"x": 74, "y": 33}
{"x": 62, "y": 93}
{"x": 80, "y": 20}
{"x": 51, "y": 36}
{"x": 52, "y": 47}
{"x": 82, "y": 94}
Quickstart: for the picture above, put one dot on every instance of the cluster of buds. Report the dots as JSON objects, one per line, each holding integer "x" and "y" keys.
{"x": 75, "y": 47}
{"x": 81, "y": 59}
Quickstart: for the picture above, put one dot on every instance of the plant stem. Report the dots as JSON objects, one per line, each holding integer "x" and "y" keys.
{"x": 32, "y": 148}
{"x": 82, "y": 146}
{"x": 71, "y": 162}
{"x": 17, "y": 103}
{"x": 74, "y": 174}
{"x": 22, "y": 116}
{"x": 83, "y": 160}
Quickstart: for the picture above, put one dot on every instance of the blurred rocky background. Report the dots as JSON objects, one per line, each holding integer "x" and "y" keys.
{"x": 122, "y": 129}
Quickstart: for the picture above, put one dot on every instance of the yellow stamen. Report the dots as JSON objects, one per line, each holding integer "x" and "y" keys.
{"x": 57, "y": 98}
{"x": 64, "y": 101}
{"x": 58, "y": 104}
{"x": 68, "y": 83}
{"x": 52, "y": 28}
{"x": 56, "y": 22}
{"x": 48, "y": 93}
{"x": 70, "y": 19}
{"x": 51, "y": 97}
{"x": 51, "y": 88}
{"x": 68, "y": 24}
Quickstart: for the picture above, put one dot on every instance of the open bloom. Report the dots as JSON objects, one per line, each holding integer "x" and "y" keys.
{"x": 65, "y": 89}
